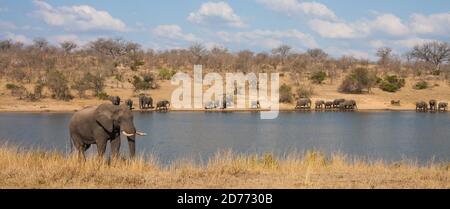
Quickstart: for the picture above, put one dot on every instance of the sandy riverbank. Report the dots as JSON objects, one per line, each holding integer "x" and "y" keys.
{"x": 377, "y": 100}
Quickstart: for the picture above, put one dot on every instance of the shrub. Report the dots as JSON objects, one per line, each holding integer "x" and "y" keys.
{"x": 420, "y": 85}
{"x": 11, "y": 86}
{"x": 17, "y": 90}
{"x": 285, "y": 93}
{"x": 37, "y": 92}
{"x": 392, "y": 83}
{"x": 318, "y": 77}
{"x": 166, "y": 74}
{"x": 103, "y": 96}
{"x": 81, "y": 86}
{"x": 57, "y": 84}
{"x": 305, "y": 91}
{"x": 135, "y": 65}
{"x": 358, "y": 80}
{"x": 145, "y": 83}
{"x": 95, "y": 82}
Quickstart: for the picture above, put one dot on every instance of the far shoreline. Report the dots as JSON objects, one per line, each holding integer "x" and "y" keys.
{"x": 217, "y": 111}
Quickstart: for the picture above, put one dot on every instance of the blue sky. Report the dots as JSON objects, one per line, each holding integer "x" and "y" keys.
{"x": 340, "y": 27}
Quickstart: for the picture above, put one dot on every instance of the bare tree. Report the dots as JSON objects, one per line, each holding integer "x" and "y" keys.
{"x": 317, "y": 54}
{"x": 68, "y": 46}
{"x": 384, "y": 54}
{"x": 198, "y": 51}
{"x": 40, "y": 43}
{"x": 282, "y": 51}
{"x": 434, "y": 53}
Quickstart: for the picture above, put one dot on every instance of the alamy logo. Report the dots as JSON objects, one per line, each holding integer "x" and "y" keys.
{"x": 230, "y": 95}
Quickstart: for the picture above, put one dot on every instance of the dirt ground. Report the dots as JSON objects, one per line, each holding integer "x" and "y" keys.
{"x": 375, "y": 100}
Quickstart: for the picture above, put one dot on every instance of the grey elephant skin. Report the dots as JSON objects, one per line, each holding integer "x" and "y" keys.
{"x": 129, "y": 103}
{"x": 163, "y": 105}
{"x": 145, "y": 102}
{"x": 115, "y": 100}
{"x": 100, "y": 124}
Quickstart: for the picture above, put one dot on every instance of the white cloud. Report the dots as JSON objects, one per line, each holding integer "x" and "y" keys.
{"x": 294, "y": 7}
{"x": 432, "y": 24}
{"x": 79, "y": 17}
{"x": 329, "y": 29}
{"x": 211, "y": 13}
{"x": 174, "y": 32}
{"x": 389, "y": 24}
{"x": 335, "y": 51}
{"x": 68, "y": 37}
{"x": 5, "y": 25}
{"x": 410, "y": 42}
{"x": 269, "y": 38}
{"x": 17, "y": 38}
{"x": 402, "y": 43}
{"x": 383, "y": 23}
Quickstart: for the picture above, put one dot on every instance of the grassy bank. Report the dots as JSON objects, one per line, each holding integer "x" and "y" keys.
{"x": 38, "y": 169}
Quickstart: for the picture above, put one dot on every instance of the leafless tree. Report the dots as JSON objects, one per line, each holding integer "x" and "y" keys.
{"x": 198, "y": 51}
{"x": 282, "y": 51}
{"x": 434, "y": 53}
{"x": 68, "y": 46}
{"x": 384, "y": 55}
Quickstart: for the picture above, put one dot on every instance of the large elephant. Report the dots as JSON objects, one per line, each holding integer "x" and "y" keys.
{"x": 337, "y": 102}
{"x": 433, "y": 105}
{"x": 115, "y": 100}
{"x": 319, "y": 104}
{"x": 163, "y": 105}
{"x": 303, "y": 103}
{"x": 129, "y": 103}
{"x": 328, "y": 104}
{"x": 348, "y": 105}
{"x": 100, "y": 124}
{"x": 145, "y": 102}
{"x": 421, "y": 106}
{"x": 255, "y": 105}
{"x": 442, "y": 106}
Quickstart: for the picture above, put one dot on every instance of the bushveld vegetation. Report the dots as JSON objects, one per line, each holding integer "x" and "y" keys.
{"x": 82, "y": 70}
{"x": 39, "y": 169}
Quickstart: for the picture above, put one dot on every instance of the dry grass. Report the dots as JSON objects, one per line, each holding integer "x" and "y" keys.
{"x": 39, "y": 169}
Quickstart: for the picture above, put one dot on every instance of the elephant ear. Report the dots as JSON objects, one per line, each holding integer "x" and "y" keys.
{"x": 104, "y": 116}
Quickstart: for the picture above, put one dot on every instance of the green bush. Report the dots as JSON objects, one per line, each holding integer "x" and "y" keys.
{"x": 95, "y": 82}
{"x": 392, "y": 83}
{"x": 145, "y": 83}
{"x": 11, "y": 86}
{"x": 420, "y": 85}
{"x": 166, "y": 74}
{"x": 17, "y": 90}
{"x": 103, "y": 96}
{"x": 304, "y": 91}
{"x": 318, "y": 77}
{"x": 358, "y": 80}
{"x": 285, "y": 93}
{"x": 58, "y": 85}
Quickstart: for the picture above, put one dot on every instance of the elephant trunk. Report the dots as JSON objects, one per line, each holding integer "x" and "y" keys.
{"x": 132, "y": 145}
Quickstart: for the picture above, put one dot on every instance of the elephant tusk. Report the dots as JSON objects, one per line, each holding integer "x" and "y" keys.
{"x": 127, "y": 134}
{"x": 141, "y": 133}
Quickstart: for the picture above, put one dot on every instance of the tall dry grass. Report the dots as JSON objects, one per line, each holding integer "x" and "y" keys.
{"x": 41, "y": 169}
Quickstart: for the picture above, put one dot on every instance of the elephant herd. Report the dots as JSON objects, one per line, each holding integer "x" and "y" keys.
{"x": 337, "y": 104}
{"x": 220, "y": 104}
{"x": 432, "y": 106}
{"x": 145, "y": 102}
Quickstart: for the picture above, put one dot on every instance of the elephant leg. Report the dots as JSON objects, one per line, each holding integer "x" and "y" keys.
{"x": 101, "y": 148}
{"x": 115, "y": 147}
{"x": 80, "y": 146}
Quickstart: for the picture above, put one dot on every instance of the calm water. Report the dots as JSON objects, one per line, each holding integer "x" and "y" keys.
{"x": 388, "y": 135}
